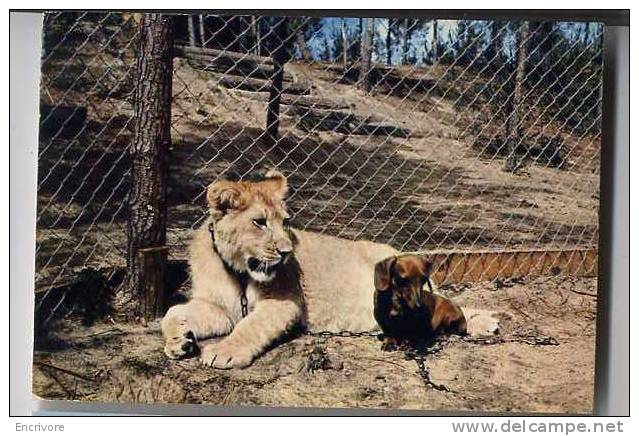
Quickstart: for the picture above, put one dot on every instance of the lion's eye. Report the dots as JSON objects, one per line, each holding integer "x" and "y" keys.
{"x": 260, "y": 222}
{"x": 287, "y": 222}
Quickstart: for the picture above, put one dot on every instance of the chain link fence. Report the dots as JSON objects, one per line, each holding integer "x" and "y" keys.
{"x": 424, "y": 134}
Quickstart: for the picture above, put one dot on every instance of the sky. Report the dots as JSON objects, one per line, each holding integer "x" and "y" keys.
{"x": 448, "y": 34}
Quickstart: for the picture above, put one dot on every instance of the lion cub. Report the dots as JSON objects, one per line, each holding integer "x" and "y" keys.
{"x": 407, "y": 314}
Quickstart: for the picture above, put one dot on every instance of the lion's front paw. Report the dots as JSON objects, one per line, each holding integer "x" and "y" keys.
{"x": 185, "y": 345}
{"x": 224, "y": 355}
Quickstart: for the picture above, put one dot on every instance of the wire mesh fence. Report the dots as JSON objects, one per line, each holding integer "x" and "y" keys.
{"x": 424, "y": 134}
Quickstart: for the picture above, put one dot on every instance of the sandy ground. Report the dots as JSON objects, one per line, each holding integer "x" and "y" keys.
{"x": 124, "y": 363}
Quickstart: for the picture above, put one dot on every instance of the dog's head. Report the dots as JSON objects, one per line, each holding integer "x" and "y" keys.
{"x": 404, "y": 276}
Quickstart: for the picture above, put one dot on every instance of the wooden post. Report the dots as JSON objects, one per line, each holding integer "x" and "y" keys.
{"x": 191, "y": 19}
{"x": 146, "y": 227}
{"x": 202, "y": 30}
{"x": 280, "y": 56}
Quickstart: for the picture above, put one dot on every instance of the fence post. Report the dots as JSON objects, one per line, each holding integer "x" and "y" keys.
{"x": 280, "y": 57}
{"x": 146, "y": 227}
{"x": 191, "y": 23}
{"x": 202, "y": 31}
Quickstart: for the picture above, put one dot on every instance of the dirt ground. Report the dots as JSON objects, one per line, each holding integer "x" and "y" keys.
{"x": 124, "y": 363}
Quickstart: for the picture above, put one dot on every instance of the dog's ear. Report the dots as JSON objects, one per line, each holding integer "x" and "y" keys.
{"x": 383, "y": 272}
{"x": 428, "y": 266}
{"x": 276, "y": 182}
{"x": 223, "y": 196}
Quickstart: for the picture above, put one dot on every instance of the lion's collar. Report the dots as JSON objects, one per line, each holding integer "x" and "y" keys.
{"x": 241, "y": 276}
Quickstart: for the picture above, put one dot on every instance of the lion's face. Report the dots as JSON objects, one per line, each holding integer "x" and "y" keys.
{"x": 251, "y": 225}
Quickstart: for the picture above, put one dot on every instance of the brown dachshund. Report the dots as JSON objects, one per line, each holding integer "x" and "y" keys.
{"x": 407, "y": 313}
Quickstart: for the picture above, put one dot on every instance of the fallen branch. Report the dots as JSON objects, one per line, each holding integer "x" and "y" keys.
{"x": 258, "y": 85}
{"x": 221, "y": 54}
{"x": 66, "y": 371}
{"x": 588, "y": 294}
{"x": 308, "y": 101}
{"x": 243, "y": 69}
{"x": 115, "y": 330}
{"x": 68, "y": 393}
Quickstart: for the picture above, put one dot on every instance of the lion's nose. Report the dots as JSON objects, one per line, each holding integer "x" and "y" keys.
{"x": 284, "y": 254}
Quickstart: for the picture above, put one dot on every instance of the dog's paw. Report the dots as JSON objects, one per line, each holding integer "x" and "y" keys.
{"x": 481, "y": 323}
{"x": 389, "y": 344}
{"x": 225, "y": 355}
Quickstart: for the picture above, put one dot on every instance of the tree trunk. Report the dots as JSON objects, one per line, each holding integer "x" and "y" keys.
{"x": 202, "y": 35}
{"x": 434, "y": 49}
{"x": 279, "y": 59}
{"x": 405, "y": 42}
{"x": 191, "y": 19}
{"x": 494, "y": 46}
{"x": 254, "y": 38}
{"x": 516, "y": 108}
{"x": 364, "y": 80}
{"x": 344, "y": 44}
{"x": 301, "y": 45}
{"x": 586, "y": 33}
{"x": 358, "y": 48}
{"x": 389, "y": 52}
{"x": 146, "y": 226}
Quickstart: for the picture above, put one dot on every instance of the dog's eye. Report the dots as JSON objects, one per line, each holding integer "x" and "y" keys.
{"x": 260, "y": 222}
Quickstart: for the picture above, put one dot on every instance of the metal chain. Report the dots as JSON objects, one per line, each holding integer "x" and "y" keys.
{"x": 534, "y": 340}
{"x": 244, "y": 303}
{"x": 422, "y": 370}
{"x": 343, "y": 334}
{"x": 419, "y": 355}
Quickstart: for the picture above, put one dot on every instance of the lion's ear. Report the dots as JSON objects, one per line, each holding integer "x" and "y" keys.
{"x": 276, "y": 181}
{"x": 223, "y": 196}
{"x": 383, "y": 271}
